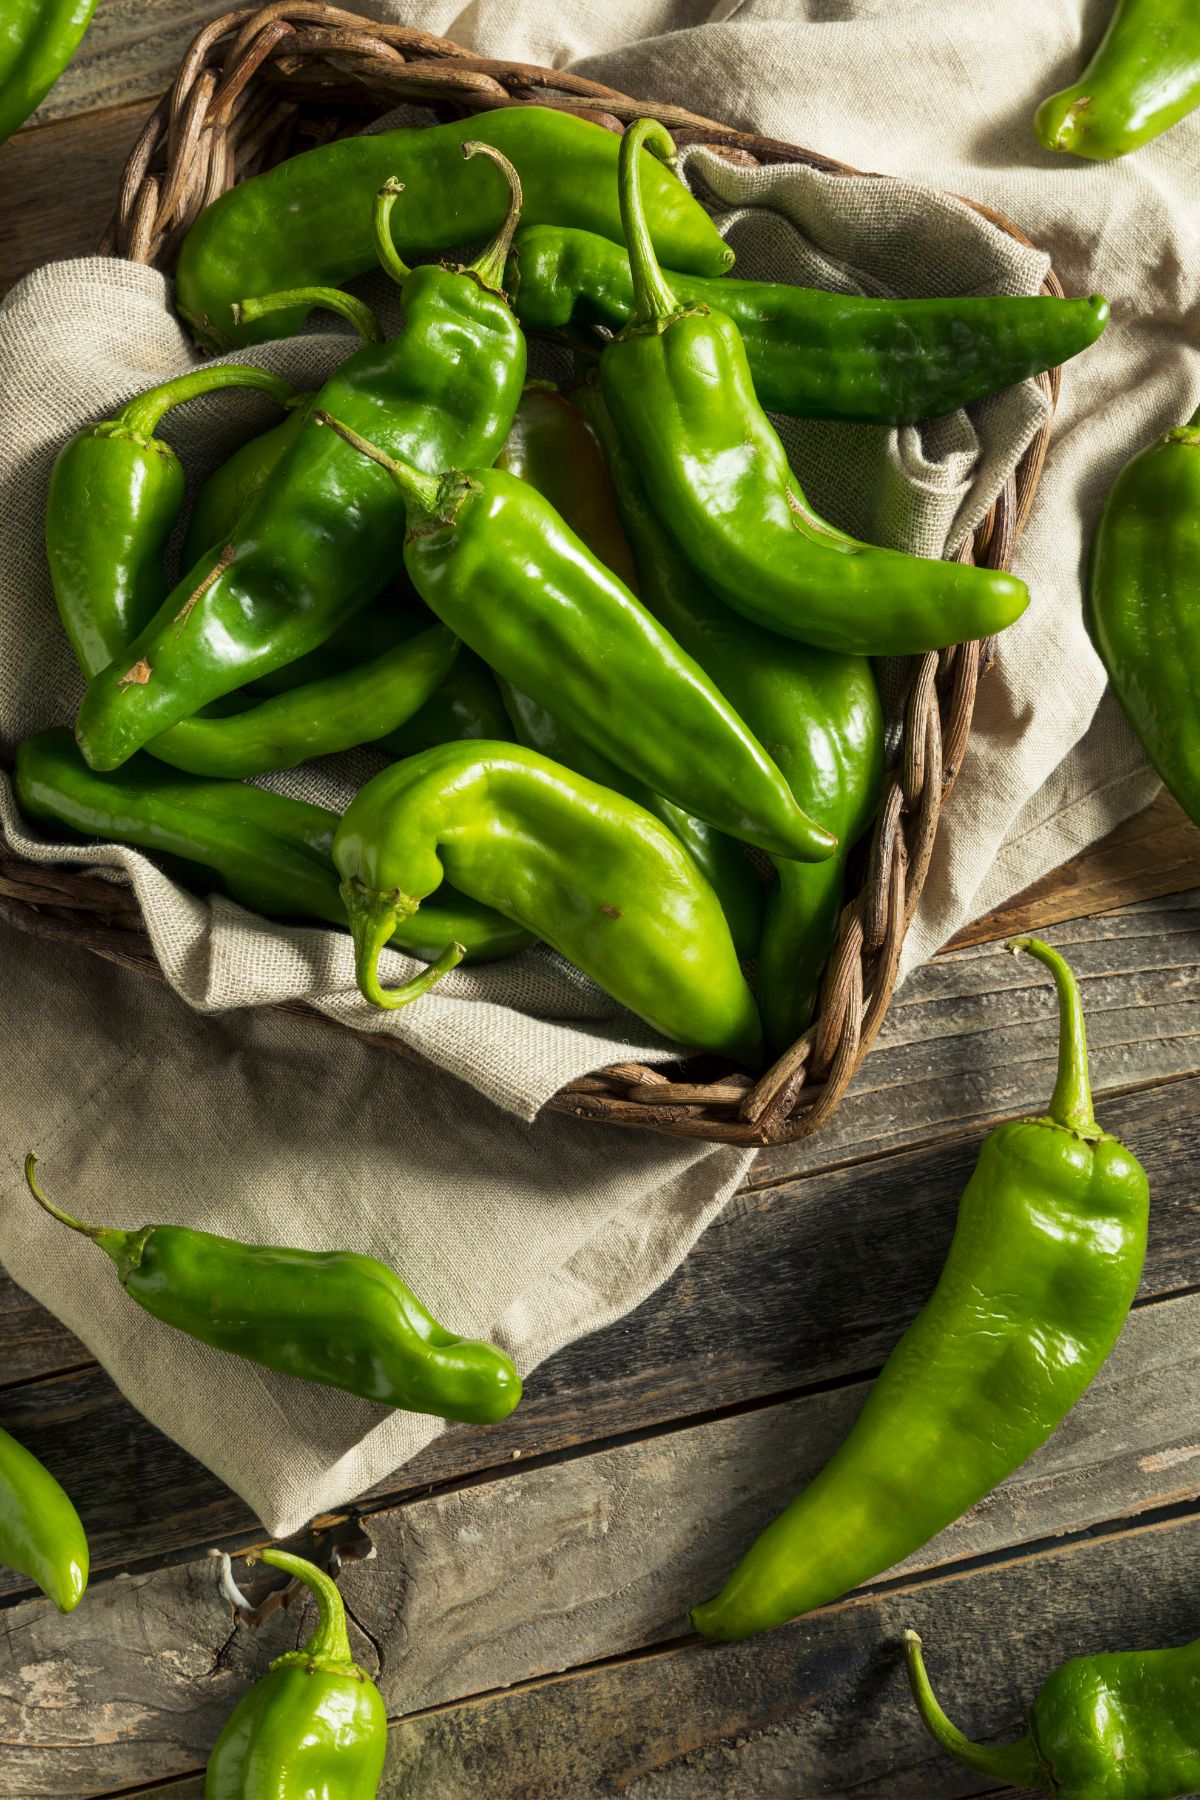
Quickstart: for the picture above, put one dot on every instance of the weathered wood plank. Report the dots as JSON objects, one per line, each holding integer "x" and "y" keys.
{"x": 763, "y": 1306}
{"x": 132, "y": 51}
{"x": 520, "y": 1577}
{"x": 1155, "y": 853}
{"x": 60, "y": 188}
{"x": 32, "y": 1341}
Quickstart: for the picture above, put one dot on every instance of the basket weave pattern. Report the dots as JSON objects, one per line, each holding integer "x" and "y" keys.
{"x": 260, "y": 84}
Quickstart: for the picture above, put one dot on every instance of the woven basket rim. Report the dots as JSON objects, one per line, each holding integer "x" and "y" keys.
{"x": 234, "y": 107}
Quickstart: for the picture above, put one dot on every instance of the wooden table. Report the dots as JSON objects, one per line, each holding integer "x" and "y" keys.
{"x": 526, "y": 1610}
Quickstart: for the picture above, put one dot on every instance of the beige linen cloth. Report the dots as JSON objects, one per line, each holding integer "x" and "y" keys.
{"x": 535, "y": 1229}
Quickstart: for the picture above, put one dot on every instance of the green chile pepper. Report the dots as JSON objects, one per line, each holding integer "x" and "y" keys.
{"x": 330, "y": 1316}
{"x": 230, "y": 489}
{"x": 40, "y": 1532}
{"x": 307, "y": 220}
{"x": 1144, "y": 77}
{"x": 38, "y": 38}
{"x": 497, "y": 565}
{"x": 1046, "y": 1257}
{"x": 1144, "y": 586}
{"x": 817, "y": 714}
{"x": 813, "y": 354}
{"x": 273, "y": 854}
{"x": 601, "y": 880}
{"x": 115, "y": 496}
{"x": 1121, "y": 1726}
{"x": 322, "y": 537}
{"x": 315, "y": 1726}
{"x": 680, "y": 392}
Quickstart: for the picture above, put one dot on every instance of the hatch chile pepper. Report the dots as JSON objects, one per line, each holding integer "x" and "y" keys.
{"x": 1046, "y": 1257}
{"x": 308, "y": 220}
{"x": 1144, "y": 591}
{"x": 1119, "y": 1726}
{"x": 323, "y": 535}
{"x": 599, "y": 878}
{"x": 815, "y": 354}
{"x": 38, "y": 38}
{"x": 1144, "y": 77}
{"x": 330, "y": 1316}
{"x": 679, "y": 389}
{"x": 40, "y": 1532}
{"x": 273, "y": 854}
{"x": 497, "y": 565}
{"x": 817, "y": 713}
{"x": 315, "y": 1726}
{"x": 115, "y": 496}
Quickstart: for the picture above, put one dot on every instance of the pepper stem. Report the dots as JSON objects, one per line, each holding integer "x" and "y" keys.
{"x": 488, "y": 267}
{"x": 381, "y": 230}
{"x": 113, "y": 1243}
{"x": 1071, "y": 1102}
{"x": 144, "y": 414}
{"x": 359, "y": 314}
{"x": 1018, "y": 1765}
{"x": 330, "y": 1641}
{"x": 652, "y": 297}
{"x": 420, "y": 491}
{"x": 373, "y": 918}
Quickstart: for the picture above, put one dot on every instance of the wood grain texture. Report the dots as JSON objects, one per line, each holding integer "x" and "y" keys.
{"x": 131, "y": 52}
{"x": 60, "y": 187}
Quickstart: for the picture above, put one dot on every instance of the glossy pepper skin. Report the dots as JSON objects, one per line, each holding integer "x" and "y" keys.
{"x": 1144, "y": 590}
{"x": 1143, "y": 78}
{"x": 329, "y": 1316}
{"x": 273, "y": 854}
{"x": 115, "y": 496}
{"x": 603, "y": 881}
{"x": 38, "y": 38}
{"x": 40, "y": 1532}
{"x": 1121, "y": 1726}
{"x": 679, "y": 388}
{"x": 230, "y": 489}
{"x": 497, "y": 565}
{"x": 323, "y": 535}
{"x": 813, "y": 354}
{"x": 1046, "y": 1257}
{"x": 315, "y": 1726}
{"x": 816, "y": 713}
{"x": 307, "y": 221}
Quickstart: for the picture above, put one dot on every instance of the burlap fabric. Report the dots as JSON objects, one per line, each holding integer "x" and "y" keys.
{"x": 534, "y": 1232}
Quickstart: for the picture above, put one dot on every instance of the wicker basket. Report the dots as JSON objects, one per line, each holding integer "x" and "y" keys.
{"x": 259, "y": 85}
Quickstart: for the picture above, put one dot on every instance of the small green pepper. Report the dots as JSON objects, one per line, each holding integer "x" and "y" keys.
{"x": 329, "y": 1316}
{"x": 1123, "y": 1726}
{"x": 38, "y": 38}
{"x": 115, "y": 496}
{"x": 229, "y": 490}
{"x": 599, "y": 878}
{"x": 40, "y": 1532}
{"x": 315, "y": 1726}
{"x": 497, "y": 565}
{"x": 679, "y": 388}
{"x": 306, "y": 221}
{"x": 272, "y": 853}
{"x": 1144, "y": 590}
{"x": 1144, "y": 77}
{"x": 1045, "y": 1262}
{"x": 814, "y": 354}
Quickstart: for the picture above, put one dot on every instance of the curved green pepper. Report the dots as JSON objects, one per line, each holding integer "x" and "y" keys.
{"x": 816, "y": 713}
{"x": 680, "y": 392}
{"x": 229, "y": 490}
{"x": 601, "y": 880}
{"x": 1046, "y": 1257}
{"x": 273, "y": 854}
{"x": 814, "y": 354}
{"x": 315, "y": 1726}
{"x": 497, "y": 565}
{"x": 38, "y": 38}
{"x": 323, "y": 535}
{"x": 307, "y": 220}
{"x": 40, "y": 1532}
{"x": 114, "y": 499}
{"x": 1144, "y": 585}
{"x": 330, "y": 1316}
{"x": 1143, "y": 78}
{"x": 1122, "y": 1726}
